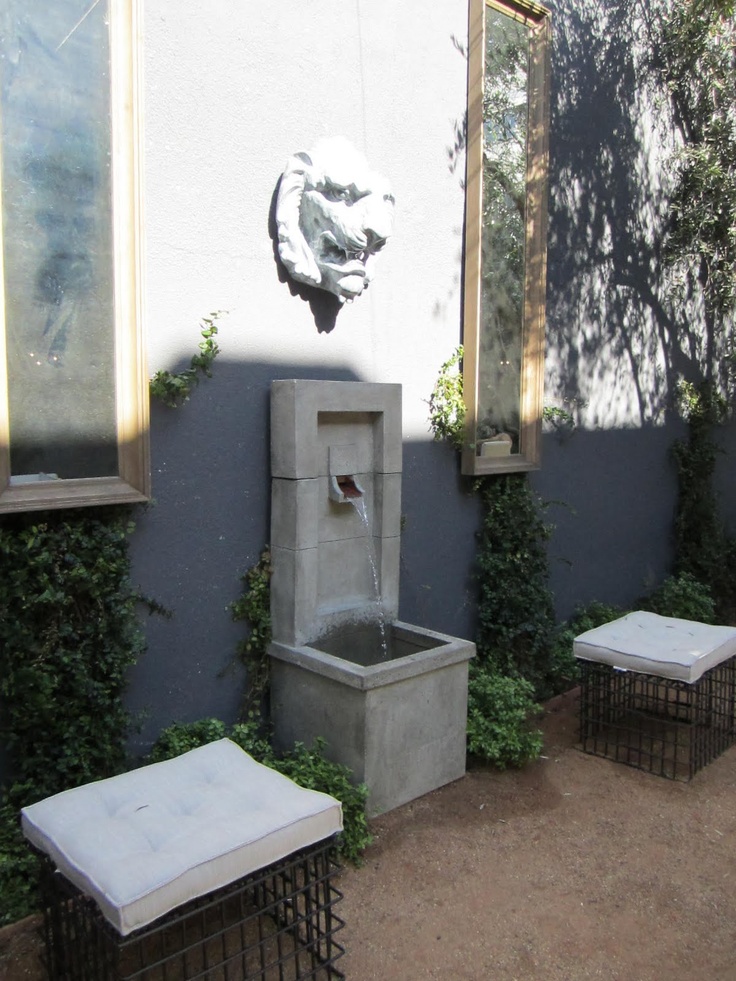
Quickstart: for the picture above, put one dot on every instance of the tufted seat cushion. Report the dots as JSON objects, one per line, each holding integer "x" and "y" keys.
{"x": 664, "y": 646}
{"x": 146, "y": 841}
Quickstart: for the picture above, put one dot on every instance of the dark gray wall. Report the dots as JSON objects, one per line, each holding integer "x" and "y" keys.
{"x": 611, "y": 489}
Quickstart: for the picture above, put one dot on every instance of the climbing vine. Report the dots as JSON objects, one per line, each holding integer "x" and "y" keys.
{"x": 516, "y": 628}
{"x": 703, "y": 547}
{"x": 68, "y": 635}
{"x": 254, "y": 608}
{"x": 174, "y": 388}
{"x": 694, "y": 53}
{"x": 516, "y": 622}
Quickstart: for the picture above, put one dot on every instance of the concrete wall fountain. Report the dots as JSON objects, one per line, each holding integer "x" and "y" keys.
{"x": 390, "y": 698}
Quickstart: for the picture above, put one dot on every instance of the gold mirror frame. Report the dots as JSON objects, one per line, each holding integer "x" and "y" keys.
{"x": 130, "y": 399}
{"x": 527, "y": 442}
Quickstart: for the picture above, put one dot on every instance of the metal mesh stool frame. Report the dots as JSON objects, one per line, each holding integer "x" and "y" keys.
{"x": 276, "y": 924}
{"x": 666, "y": 727}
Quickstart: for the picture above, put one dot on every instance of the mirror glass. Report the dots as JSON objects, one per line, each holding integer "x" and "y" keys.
{"x": 73, "y": 382}
{"x": 502, "y": 238}
{"x": 505, "y": 236}
{"x": 57, "y": 238}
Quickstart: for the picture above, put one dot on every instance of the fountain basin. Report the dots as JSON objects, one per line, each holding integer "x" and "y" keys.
{"x": 395, "y": 716}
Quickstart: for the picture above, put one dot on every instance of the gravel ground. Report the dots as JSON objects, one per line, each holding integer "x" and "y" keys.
{"x": 572, "y": 869}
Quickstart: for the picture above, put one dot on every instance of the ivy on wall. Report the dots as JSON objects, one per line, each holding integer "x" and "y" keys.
{"x": 253, "y": 607}
{"x": 516, "y": 622}
{"x": 68, "y": 635}
{"x": 174, "y": 388}
{"x": 704, "y": 549}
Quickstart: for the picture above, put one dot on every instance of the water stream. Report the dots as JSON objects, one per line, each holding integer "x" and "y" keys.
{"x": 362, "y": 512}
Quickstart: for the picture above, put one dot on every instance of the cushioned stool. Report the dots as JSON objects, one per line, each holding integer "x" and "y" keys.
{"x": 657, "y": 693}
{"x": 207, "y": 866}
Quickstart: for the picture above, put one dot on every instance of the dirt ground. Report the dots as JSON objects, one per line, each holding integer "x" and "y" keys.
{"x": 572, "y": 869}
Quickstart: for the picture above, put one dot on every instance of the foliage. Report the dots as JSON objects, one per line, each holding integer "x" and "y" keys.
{"x": 592, "y": 615}
{"x": 696, "y": 45}
{"x": 682, "y": 596}
{"x": 68, "y": 635}
{"x": 174, "y": 388}
{"x": 678, "y": 596}
{"x": 515, "y": 613}
{"x": 181, "y": 737}
{"x": 307, "y": 767}
{"x": 254, "y": 607}
{"x": 446, "y": 405}
{"x": 499, "y": 708}
{"x": 560, "y": 420}
{"x": 564, "y": 671}
{"x": 19, "y": 869}
{"x": 252, "y": 736}
{"x": 703, "y": 548}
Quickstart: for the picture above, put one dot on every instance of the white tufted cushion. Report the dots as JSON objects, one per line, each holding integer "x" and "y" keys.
{"x": 145, "y": 842}
{"x": 664, "y": 646}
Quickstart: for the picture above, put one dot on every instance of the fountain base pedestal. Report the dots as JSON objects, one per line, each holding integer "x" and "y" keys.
{"x": 397, "y": 718}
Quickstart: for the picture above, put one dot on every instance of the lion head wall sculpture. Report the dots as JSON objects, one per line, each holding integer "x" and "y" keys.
{"x": 333, "y": 214}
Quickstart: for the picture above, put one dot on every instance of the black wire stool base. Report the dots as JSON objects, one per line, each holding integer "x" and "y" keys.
{"x": 276, "y": 924}
{"x": 666, "y": 727}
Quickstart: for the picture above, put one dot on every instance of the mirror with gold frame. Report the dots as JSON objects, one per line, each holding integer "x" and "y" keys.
{"x": 73, "y": 381}
{"x": 505, "y": 235}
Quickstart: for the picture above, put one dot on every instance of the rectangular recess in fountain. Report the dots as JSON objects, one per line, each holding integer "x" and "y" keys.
{"x": 321, "y": 431}
{"x": 390, "y": 698}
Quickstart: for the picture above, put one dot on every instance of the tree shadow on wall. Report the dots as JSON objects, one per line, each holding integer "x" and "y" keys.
{"x": 614, "y": 324}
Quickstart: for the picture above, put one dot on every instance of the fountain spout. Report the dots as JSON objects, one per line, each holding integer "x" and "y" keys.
{"x": 344, "y": 488}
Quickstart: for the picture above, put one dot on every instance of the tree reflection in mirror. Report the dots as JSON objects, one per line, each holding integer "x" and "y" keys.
{"x": 505, "y": 235}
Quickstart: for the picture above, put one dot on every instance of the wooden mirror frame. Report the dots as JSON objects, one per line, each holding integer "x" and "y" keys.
{"x": 537, "y": 20}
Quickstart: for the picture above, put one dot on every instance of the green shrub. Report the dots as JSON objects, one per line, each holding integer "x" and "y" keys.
{"x": 69, "y": 632}
{"x": 703, "y": 546}
{"x": 307, "y": 767}
{"x": 254, "y": 608}
{"x": 181, "y": 737}
{"x": 516, "y": 620}
{"x": 564, "y": 669}
{"x": 19, "y": 867}
{"x": 682, "y": 596}
{"x": 251, "y": 737}
{"x": 500, "y": 709}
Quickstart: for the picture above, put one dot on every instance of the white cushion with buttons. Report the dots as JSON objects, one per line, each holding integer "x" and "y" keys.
{"x": 664, "y": 646}
{"x": 142, "y": 843}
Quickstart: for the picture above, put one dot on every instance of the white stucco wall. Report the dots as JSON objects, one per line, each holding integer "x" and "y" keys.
{"x": 230, "y": 91}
